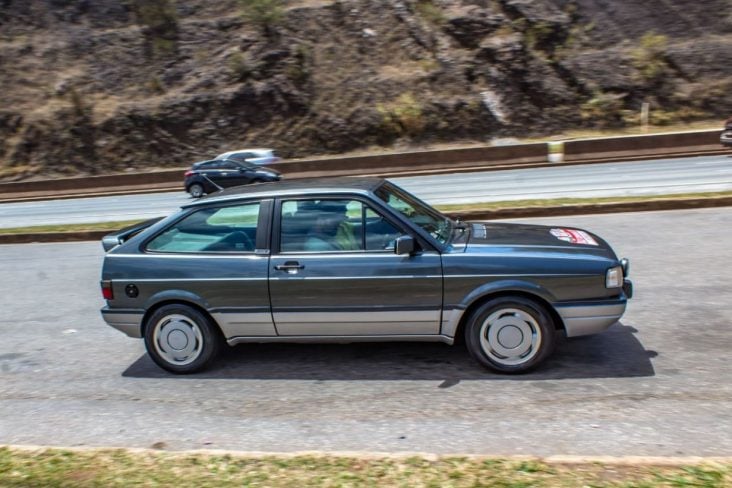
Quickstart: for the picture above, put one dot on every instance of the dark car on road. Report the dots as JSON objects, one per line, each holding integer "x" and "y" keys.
{"x": 353, "y": 259}
{"x": 210, "y": 176}
{"x": 726, "y": 137}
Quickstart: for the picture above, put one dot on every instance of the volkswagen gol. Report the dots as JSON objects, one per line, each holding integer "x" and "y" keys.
{"x": 353, "y": 259}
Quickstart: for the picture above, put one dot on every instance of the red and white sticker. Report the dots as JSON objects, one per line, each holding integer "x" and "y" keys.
{"x": 574, "y": 236}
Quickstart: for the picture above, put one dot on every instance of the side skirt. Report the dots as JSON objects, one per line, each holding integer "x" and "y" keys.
{"x": 342, "y": 339}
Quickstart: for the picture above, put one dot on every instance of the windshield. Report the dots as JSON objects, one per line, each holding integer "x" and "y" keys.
{"x": 421, "y": 214}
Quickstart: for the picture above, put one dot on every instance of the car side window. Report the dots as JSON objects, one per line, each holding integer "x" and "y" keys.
{"x": 321, "y": 226}
{"x": 217, "y": 229}
{"x": 333, "y": 226}
{"x": 228, "y": 166}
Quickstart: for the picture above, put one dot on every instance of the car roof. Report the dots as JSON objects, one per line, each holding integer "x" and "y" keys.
{"x": 296, "y": 186}
{"x": 254, "y": 150}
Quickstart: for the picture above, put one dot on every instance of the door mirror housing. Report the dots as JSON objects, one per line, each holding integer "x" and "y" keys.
{"x": 404, "y": 245}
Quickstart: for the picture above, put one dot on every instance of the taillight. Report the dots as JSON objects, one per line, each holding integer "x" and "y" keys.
{"x": 188, "y": 173}
{"x": 107, "y": 292}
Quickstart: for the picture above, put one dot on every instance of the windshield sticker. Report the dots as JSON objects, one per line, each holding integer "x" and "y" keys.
{"x": 574, "y": 236}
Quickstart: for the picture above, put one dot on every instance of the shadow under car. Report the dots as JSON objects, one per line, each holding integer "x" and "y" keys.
{"x": 616, "y": 353}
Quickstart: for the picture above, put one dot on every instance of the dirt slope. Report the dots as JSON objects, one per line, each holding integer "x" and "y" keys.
{"x": 95, "y": 86}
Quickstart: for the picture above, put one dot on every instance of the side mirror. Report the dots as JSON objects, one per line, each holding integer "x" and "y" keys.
{"x": 404, "y": 245}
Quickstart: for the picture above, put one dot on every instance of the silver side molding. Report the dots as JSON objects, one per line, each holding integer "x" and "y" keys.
{"x": 342, "y": 339}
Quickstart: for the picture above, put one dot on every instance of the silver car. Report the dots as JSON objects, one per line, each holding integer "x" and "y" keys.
{"x": 260, "y": 157}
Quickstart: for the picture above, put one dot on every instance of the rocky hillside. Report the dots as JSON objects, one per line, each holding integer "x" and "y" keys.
{"x": 94, "y": 86}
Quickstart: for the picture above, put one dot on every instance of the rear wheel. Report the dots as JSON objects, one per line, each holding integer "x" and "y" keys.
{"x": 510, "y": 334}
{"x": 196, "y": 190}
{"x": 181, "y": 339}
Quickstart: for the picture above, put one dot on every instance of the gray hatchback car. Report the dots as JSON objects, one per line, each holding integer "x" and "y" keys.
{"x": 353, "y": 259}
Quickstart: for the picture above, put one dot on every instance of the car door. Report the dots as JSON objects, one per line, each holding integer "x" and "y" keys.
{"x": 335, "y": 273}
{"x": 215, "y": 256}
{"x": 228, "y": 174}
{"x": 211, "y": 174}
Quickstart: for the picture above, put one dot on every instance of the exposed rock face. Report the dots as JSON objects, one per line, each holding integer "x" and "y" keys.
{"x": 99, "y": 86}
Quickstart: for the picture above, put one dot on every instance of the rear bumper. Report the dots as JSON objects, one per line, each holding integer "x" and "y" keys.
{"x": 585, "y": 318}
{"x": 127, "y": 321}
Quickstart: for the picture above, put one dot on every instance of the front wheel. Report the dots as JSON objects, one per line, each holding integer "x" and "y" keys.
{"x": 510, "y": 334}
{"x": 181, "y": 339}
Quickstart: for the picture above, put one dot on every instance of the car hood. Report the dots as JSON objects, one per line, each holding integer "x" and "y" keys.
{"x": 487, "y": 237}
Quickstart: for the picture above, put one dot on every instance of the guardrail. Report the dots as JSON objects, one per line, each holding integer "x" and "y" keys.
{"x": 447, "y": 160}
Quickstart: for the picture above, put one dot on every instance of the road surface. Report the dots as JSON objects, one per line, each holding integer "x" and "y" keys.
{"x": 658, "y": 383}
{"x": 702, "y": 174}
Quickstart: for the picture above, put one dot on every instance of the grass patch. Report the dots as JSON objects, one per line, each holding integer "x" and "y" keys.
{"x": 538, "y": 203}
{"x": 110, "y": 468}
{"x": 110, "y": 226}
{"x": 557, "y": 202}
{"x": 629, "y": 130}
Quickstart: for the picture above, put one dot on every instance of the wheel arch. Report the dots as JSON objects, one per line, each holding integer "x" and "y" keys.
{"x": 150, "y": 310}
{"x": 479, "y": 300}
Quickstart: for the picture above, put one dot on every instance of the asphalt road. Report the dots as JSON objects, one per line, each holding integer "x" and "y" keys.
{"x": 659, "y": 383}
{"x": 702, "y": 174}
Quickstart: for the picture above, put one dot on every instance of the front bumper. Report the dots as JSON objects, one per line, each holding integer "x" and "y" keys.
{"x": 127, "y": 321}
{"x": 592, "y": 317}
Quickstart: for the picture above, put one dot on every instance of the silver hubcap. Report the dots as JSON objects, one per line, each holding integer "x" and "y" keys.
{"x": 196, "y": 191}
{"x": 510, "y": 336}
{"x": 177, "y": 339}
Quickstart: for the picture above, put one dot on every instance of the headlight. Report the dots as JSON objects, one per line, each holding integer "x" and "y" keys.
{"x": 614, "y": 277}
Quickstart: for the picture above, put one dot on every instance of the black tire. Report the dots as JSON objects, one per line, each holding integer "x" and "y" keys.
{"x": 510, "y": 334}
{"x": 196, "y": 190}
{"x": 181, "y": 339}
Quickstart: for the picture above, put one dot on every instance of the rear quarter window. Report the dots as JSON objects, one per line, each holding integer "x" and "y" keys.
{"x": 211, "y": 230}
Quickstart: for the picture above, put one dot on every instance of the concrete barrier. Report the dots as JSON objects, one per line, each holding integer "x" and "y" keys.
{"x": 642, "y": 146}
{"x": 514, "y": 155}
{"x": 484, "y": 157}
{"x": 85, "y": 182}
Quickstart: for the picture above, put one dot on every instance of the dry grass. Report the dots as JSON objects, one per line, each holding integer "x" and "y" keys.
{"x": 109, "y": 468}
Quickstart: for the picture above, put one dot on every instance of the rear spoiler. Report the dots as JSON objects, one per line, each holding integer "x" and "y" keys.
{"x": 110, "y": 241}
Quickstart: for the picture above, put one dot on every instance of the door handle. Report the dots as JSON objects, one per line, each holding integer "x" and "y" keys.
{"x": 290, "y": 266}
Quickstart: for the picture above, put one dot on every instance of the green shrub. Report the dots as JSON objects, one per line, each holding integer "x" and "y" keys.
{"x": 264, "y": 13}
{"x": 604, "y": 109}
{"x": 403, "y": 116}
{"x": 161, "y": 22}
{"x": 298, "y": 70}
{"x": 649, "y": 58}
{"x": 430, "y": 12}
{"x": 240, "y": 67}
